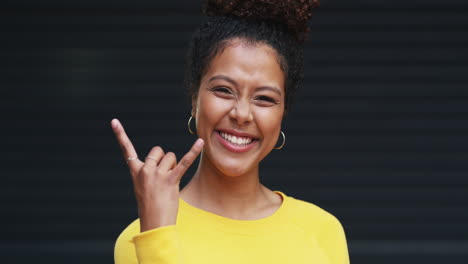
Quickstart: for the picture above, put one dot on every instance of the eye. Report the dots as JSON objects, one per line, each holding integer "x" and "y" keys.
{"x": 222, "y": 90}
{"x": 266, "y": 99}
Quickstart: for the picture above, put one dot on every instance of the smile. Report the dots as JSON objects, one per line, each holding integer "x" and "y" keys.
{"x": 236, "y": 140}
{"x": 235, "y": 143}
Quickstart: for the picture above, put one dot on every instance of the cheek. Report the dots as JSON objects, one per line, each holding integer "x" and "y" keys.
{"x": 269, "y": 122}
{"x": 210, "y": 109}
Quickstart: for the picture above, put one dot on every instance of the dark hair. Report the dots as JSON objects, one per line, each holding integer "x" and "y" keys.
{"x": 280, "y": 24}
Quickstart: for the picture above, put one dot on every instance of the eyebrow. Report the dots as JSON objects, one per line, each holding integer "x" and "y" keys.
{"x": 226, "y": 78}
{"x": 223, "y": 77}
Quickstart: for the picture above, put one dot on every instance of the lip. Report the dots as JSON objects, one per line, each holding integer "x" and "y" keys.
{"x": 237, "y": 134}
{"x": 235, "y": 148}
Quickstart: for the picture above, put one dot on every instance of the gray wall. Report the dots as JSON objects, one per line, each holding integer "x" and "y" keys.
{"x": 378, "y": 136}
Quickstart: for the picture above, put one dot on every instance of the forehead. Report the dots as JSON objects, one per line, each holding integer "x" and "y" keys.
{"x": 247, "y": 62}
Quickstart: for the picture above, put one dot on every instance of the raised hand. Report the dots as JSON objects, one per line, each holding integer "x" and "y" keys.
{"x": 155, "y": 180}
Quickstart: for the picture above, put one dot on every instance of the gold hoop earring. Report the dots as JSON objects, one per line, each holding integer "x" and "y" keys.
{"x": 188, "y": 125}
{"x": 284, "y": 141}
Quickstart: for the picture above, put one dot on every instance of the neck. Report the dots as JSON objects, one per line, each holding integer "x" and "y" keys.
{"x": 232, "y": 196}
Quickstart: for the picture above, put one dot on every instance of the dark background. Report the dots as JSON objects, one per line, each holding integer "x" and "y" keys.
{"x": 378, "y": 135}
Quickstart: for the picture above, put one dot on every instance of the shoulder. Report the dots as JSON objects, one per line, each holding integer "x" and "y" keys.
{"x": 322, "y": 226}
{"x": 311, "y": 217}
{"x": 307, "y": 211}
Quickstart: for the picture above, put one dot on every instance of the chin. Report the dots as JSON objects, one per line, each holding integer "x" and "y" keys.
{"x": 231, "y": 166}
{"x": 234, "y": 171}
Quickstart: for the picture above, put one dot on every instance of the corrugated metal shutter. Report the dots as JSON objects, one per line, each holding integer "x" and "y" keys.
{"x": 378, "y": 136}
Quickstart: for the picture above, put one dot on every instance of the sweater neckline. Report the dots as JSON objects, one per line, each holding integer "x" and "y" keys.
{"x": 234, "y": 226}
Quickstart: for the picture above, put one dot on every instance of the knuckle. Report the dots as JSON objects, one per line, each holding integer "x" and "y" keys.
{"x": 157, "y": 149}
{"x": 172, "y": 180}
{"x": 185, "y": 162}
{"x": 190, "y": 156}
{"x": 192, "y": 152}
{"x": 171, "y": 155}
{"x": 145, "y": 170}
{"x": 166, "y": 181}
{"x": 159, "y": 171}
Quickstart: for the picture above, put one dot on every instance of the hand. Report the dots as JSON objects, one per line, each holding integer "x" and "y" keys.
{"x": 156, "y": 180}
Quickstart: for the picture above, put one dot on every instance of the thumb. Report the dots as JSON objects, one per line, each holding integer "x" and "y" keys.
{"x": 188, "y": 159}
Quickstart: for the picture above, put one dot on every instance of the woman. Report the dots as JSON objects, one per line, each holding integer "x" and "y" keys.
{"x": 243, "y": 66}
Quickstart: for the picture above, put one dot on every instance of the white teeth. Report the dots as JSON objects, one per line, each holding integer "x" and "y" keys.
{"x": 236, "y": 140}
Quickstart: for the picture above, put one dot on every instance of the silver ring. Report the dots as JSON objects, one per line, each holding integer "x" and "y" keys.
{"x": 131, "y": 158}
{"x": 151, "y": 157}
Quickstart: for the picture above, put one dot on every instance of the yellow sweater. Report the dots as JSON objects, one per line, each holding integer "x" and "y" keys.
{"x": 298, "y": 232}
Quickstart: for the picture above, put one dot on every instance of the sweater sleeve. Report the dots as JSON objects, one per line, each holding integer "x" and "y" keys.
{"x": 157, "y": 246}
{"x": 334, "y": 242}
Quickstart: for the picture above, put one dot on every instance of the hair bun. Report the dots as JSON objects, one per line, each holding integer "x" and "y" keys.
{"x": 294, "y": 14}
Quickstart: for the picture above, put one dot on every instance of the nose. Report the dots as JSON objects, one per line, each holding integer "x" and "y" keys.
{"x": 241, "y": 113}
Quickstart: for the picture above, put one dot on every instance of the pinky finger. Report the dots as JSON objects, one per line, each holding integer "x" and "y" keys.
{"x": 126, "y": 145}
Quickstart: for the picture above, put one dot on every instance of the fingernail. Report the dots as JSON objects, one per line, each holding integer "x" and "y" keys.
{"x": 199, "y": 143}
{"x": 114, "y": 123}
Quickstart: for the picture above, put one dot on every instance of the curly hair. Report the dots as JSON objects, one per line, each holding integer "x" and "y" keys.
{"x": 281, "y": 24}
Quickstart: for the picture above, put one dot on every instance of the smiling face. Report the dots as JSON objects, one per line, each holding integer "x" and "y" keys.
{"x": 240, "y": 106}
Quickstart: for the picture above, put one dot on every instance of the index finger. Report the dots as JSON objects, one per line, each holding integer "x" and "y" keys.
{"x": 188, "y": 159}
{"x": 125, "y": 144}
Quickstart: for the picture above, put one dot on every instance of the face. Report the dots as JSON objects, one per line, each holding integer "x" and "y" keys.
{"x": 240, "y": 106}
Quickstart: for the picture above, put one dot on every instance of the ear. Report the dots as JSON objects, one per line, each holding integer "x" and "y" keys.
{"x": 194, "y": 105}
